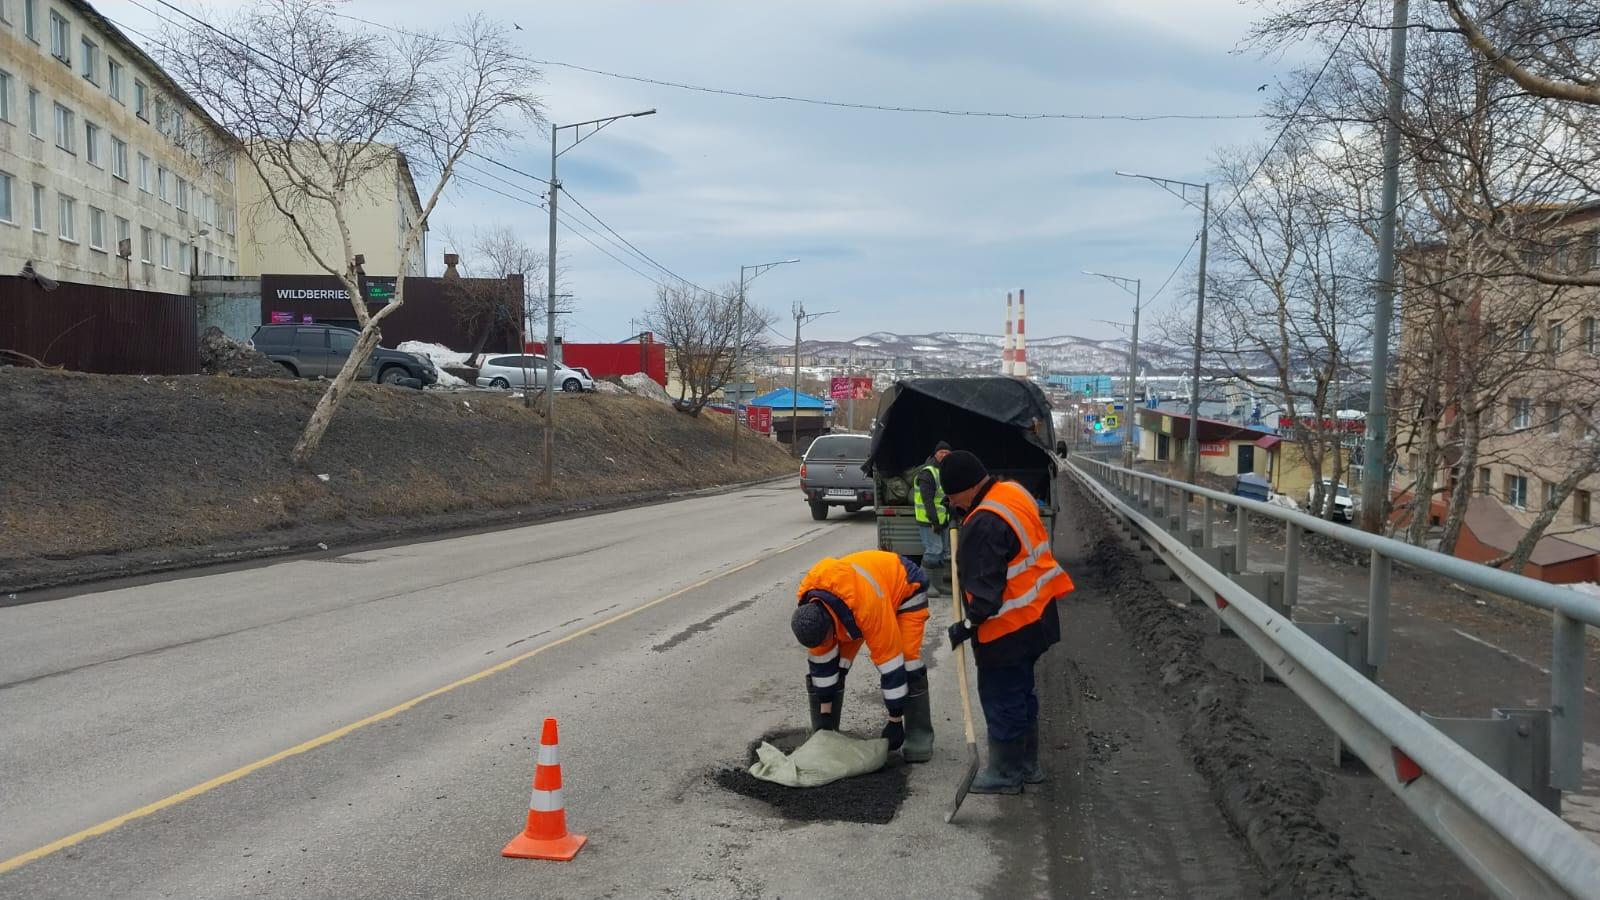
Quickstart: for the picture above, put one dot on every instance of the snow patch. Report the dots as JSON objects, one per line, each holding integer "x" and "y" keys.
{"x": 441, "y": 356}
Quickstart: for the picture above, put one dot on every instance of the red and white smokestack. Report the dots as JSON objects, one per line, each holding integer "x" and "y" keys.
{"x": 1006, "y": 356}
{"x": 1019, "y": 356}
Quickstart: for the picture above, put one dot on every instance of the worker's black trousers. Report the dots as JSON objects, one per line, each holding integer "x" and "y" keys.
{"x": 1009, "y": 703}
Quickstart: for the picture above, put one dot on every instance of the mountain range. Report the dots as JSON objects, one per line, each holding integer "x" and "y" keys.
{"x": 964, "y": 351}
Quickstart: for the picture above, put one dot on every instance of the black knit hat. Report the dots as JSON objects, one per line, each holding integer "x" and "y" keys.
{"x": 961, "y": 470}
{"x": 942, "y": 445}
{"x": 811, "y": 623}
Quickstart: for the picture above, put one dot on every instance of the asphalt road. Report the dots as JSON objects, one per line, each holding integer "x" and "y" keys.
{"x": 259, "y": 732}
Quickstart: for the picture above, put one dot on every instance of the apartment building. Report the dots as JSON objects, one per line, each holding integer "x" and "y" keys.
{"x": 1542, "y": 423}
{"x": 100, "y": 150}
{"x": 380, "y": 213}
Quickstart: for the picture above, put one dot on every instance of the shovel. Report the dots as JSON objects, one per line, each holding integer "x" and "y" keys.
{"x": 966, "y": 695}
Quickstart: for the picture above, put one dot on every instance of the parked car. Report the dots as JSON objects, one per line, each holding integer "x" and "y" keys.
{"x": 831, "y": 475}
{"x": 517, "y": 371}
{"x": 312, "y": 351}
{"x": 1343, "y": 503}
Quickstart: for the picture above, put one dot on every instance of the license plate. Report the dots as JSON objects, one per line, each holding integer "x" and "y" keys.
{"x": 841, "y": 492}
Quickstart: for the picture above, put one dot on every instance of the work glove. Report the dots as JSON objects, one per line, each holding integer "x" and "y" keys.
{"x": 960, "y": 631}
{"x": 895, "y": 733}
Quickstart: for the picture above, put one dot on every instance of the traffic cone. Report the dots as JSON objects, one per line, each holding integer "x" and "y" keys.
{"x": 546, "y": 836}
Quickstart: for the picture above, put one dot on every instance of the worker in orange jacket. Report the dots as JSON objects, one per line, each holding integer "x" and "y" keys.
{"x": 1010, "y": 581}
{"x": 878, "y": 599}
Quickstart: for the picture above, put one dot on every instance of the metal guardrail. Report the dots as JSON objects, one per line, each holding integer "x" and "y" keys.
{"x": 1517, "y": 846}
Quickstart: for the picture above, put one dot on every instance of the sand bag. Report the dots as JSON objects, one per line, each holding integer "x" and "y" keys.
{"x": 824, "y": 758}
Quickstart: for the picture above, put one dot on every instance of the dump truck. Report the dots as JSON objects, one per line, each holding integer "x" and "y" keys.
{"x": 1005, "y": 421}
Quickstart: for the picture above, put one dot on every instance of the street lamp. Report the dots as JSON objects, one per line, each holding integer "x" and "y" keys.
{"x": 738, "y": 342}
{"x": 1133, "y": 360}
{"x": 1181, "y": 193}
{"x": 578, "y": 137}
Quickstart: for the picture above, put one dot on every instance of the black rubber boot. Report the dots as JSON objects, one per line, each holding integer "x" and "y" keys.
{"x": 1031, "y": 771}
{"x": 1003, "y": 775}
{"x": 918, "y": 747}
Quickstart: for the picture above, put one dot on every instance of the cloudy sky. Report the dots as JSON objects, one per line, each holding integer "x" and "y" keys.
{"x": 902, "y": 222}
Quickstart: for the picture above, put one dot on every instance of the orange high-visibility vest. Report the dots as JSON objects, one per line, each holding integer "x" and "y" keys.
{"x": 1033, "y": 578}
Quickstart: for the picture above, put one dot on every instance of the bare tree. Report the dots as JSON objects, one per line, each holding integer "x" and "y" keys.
{"x": 325, "y": 116}
{"x": 1549, "y": 48}
{"x": 494, "y": 261}
{"x": 701, "y": 329}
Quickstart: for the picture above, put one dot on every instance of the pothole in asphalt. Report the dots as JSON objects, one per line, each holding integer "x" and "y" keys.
{"x": 866, "y": 799}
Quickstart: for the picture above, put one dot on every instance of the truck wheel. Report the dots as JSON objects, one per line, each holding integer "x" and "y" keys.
{"x": 819, "y": 510}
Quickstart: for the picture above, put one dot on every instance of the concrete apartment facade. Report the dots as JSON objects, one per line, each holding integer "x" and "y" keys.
{"x": 1541, "y": 423}
{"x": 380, "y": 213}
{"x": 97, "y": 146}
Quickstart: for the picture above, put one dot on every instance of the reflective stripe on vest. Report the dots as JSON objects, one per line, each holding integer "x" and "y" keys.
{"x": 1033, "y": 578}
{"x": 938, "y": 499}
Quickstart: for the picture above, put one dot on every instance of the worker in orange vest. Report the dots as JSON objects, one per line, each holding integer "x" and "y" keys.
{"x": 1009, "y": 584}
{"x": 878, "y": 599}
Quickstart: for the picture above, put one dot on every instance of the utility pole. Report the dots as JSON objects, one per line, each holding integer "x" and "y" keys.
{"x": 579, "y": 137}
{"x": 800, "y": 318}
{"x": 1128, "y": 450}
{"x": 738, "y": 343}
{"x": 1375, "y": 464}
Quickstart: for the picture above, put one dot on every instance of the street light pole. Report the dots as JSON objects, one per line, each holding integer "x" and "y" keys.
{"x": 594, "y": 125}
{"x": 738, "y": 343}
{"x": 800, "y": 318}
{"x": 1133, "y": 362}
{"x": 1181, "y": 193}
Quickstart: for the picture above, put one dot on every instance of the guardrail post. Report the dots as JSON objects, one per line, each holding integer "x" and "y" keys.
{"x": 1291, "y": 565}
{"x": 1378, "y": 611}
{"x": 1183, "y": 511}
{"x": 1207, "y": 511}
{"x": 1241, "y": 539}
{"x": 1566, "y": 703}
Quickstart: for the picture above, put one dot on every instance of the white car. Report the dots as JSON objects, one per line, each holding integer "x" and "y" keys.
{"x": 519, "y": 371}
{"x": 1343, "y": 503}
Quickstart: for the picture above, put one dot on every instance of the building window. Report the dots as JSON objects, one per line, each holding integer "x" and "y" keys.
{"x": 1594, "y": 250}
{"x": 5, "y": 95}
{"x": 33, "y": 113}
{"x": 1552, "y": 418}
{"x": 161, "y": 184}
{"x": 60, "y": 38}
{"x": 1525, "y": 339}
{"x": 97, "y": 229}
{"x": 141, "y": 100}
{"x": 1484, "y": 483}
{"x": 64, "y": 128}
{"x": 183, "y": 257}
{"x": 124, "y": 233}
{"x": 1555, "y": 336}
{"x": 147, "y": 245}
{"x": 161, "y": 115}
{"x": 183, "y": 194}
{"x": 144, "y": 173}
{"x": 1521, "y": 412}
{"x": 1586, "y": 429}
{"x": 30, "y": 19}
{"x": 38, "y": 207}
{"x": 1580, "y": 508}
{"x": 1550, "y": 495}
{"x": 67, "y": 209}
{"x": 119, "y": 158}
{"x": 7, "y": 214}
{"x": 89, "y": 60}
{"x": 1517, "y": 491}
{"x": 114, "y": 79}
{"x": 91, "y": 143}
{"x": 166, "y": 251}
{"x": 1591, "y": 336}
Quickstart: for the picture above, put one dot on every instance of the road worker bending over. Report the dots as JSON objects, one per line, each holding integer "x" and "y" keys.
{"x": 881, "y": 600}
{"x": 1009, "y": 584}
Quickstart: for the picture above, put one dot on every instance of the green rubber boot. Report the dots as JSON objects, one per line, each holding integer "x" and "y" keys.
{"x": 1031, "y": 771}
{"x": 1003, "y": 774}
{"x": 918, "y": 747}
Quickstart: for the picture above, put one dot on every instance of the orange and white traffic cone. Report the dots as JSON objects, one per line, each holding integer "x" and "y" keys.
{"x": 546, "y": 836}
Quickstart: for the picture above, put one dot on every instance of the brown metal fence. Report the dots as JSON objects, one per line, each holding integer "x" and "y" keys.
{"x": 89, "y": 328}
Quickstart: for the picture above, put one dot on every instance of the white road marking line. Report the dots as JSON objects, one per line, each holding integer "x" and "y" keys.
{"x": 1504, "y": 652}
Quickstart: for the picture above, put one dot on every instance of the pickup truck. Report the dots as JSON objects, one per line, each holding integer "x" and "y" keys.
{"x": 831, "y": 475}
{"x": 1005, "y": 421}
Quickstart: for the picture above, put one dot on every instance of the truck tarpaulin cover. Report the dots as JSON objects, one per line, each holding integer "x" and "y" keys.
{"x": 1005, "y": 421}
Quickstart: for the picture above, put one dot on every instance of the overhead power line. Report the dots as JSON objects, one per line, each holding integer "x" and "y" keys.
{"x": 844, "y": 104}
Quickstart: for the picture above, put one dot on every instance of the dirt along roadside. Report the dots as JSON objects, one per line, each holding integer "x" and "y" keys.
{"x": 120, "y": 475}
{"x": 1311, "y": 830}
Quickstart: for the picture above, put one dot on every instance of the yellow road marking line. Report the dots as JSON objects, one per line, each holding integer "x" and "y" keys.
{"x": 17, "y": 862}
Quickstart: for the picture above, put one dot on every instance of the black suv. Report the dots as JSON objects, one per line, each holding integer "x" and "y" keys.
{"x": 310, "y": 351}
